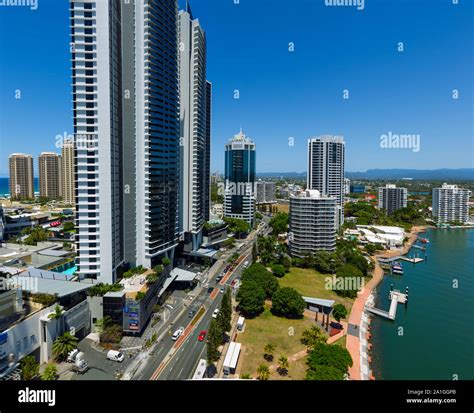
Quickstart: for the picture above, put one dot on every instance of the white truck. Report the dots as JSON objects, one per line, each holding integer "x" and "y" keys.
{"x": 231, "y": 358}
{"x": 240, "y": 323}
{"x": 80, "y": 365}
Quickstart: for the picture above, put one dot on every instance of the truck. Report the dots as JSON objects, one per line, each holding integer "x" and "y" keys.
{"x": 240, "y": 323}
{"x": 231, "y": 358}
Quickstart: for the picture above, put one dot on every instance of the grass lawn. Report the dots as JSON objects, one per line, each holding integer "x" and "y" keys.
{"x": 283, "y": 208}
{"x": 341, "y": 342}
{"x": 283, "y": 333}
{"x": 310, "y": 283}
{"x": 296, "y": 371}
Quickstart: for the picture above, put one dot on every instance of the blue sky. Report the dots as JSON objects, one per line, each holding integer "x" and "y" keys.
{"x": 283, "y": 94}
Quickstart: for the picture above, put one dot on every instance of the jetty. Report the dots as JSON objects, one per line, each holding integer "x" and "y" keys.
{"x": 414, "y": 260}
{"x": 395, "y": 297}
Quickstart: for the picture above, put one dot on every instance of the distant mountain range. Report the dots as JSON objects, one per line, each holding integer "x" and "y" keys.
{"x": 462, "y": 174}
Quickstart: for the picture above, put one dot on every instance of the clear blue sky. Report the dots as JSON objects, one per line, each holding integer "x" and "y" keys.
{"x": 282, "y": 94}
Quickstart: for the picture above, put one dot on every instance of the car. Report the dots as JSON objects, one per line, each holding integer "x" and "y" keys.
{"x": 177, "y": 334}
{"x": 214, "y": 314}
{"x": 222, "y": 289}
{"x": 246, "y": 264}
{"x": 202, "y": 335}
{"x": 233, "y": 283}
{"x": 210, "y": 290}
{"x": 191, "y": 313}
{"x": 115, "y": 356}
{"x": 219, "y": 277}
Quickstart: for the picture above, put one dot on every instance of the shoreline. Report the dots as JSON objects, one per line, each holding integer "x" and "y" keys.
{"x": 359, "y": 321}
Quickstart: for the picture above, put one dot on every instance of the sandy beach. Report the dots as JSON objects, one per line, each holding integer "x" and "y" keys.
{"x": 353, "y": 341}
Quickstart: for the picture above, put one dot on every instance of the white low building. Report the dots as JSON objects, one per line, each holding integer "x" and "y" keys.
{"x": 381, "y": 234}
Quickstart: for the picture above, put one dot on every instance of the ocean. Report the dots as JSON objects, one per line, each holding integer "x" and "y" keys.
{"x": 433, "y": 337}
{"x": 5, "y": 189}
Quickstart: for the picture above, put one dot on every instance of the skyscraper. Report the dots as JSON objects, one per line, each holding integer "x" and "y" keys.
{"x": 127, "y": 127}
{"x": 207, "y": 170}
{"x": 239, "y": 194}
{"x": 312, "y": 223}
{"x": 67, "y": 171}
{"x": 326, "y": 155}
{"x": 97, "y": 91}
{"x": 50, "y": 176}
{"x": 195, "y": 95}
{"x": 392, "y": 198}
{"x": 450, "y": 204}
{"x": 21, "y": 176}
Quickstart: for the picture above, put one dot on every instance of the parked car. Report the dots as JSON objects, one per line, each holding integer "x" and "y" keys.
{"x": 202, "y": 335}
{"x": 71, "y": 357}
{"x": 214, "y": 314}
{"x": 210, "y": 290}
{"x": 191, "y": 313}
{"x": 115, "y": 356}
{"x": 222, "y": 289}
{"x": 177, "y": 334}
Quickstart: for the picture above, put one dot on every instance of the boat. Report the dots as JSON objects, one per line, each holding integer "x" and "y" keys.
{"x": 424, "y": 240}
{"x": 397, "y": 268}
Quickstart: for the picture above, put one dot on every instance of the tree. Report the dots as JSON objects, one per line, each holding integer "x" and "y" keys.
{"x": 283, "y": 365}
{"x": 29, "y": 367}
{"x": 331, "y": 358}
{"x": 68, "y": 226}
{"x": 324, "y": 373}
{"x": 312, "y": 337}
{"x": 237, "y": 226}
{"x": 111, "y": 334}
{"x": 63, "y": 345}
{"x": 279, "y": 223}
{"x": 268, "y": 352}
{"x": 288, "y": 302}
{"x": 229, "y": 242}
{"x": 165, "y": 261}
{"x": 214, "y": 339}
{"x": 58, "y": 312}
{"x": 254, "y": 252}
{"x": 226, "y": 310}
{"x": 152, "y": 278}
{"x": 339, "y": 311}
{"x": 50, "y": 372}
{"x": 263, "y": 372}
{"x": 278, "y": 270}
{"x": 251, "y": 298}
{"x": 158, "y": 269}
{"x": 259, "y": 274}
{"x": 349, "y": 289}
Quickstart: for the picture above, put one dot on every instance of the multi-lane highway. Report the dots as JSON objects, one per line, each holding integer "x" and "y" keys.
{"x": 177, "y": 360}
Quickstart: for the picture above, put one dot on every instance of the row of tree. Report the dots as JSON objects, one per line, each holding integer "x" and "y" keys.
{"x": 218, "y": 328}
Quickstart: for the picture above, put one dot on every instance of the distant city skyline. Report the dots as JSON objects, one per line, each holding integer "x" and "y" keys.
{"x": 291, "y": 84}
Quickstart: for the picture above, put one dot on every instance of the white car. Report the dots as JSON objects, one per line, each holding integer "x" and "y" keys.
{"x": 177, "y": 334}
{"x": 115, "y": 356}
{"x": 214, "y": 314}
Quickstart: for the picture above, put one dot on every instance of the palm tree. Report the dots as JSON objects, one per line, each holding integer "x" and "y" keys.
{"x": 312, "y": 336}
{"x": 29, "y": 367}
{"x": 283, "y": 365}
{"x": 269, "y": 349}
{"x": 63, "y": 345}
{"x": 263, "y": 372}
{"x": 50, "y": 372}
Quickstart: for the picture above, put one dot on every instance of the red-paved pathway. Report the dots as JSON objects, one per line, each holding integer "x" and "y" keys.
{"x": 353, "y": 342}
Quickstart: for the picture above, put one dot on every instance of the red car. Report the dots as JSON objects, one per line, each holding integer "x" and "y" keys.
{"x": 202, "y": 335}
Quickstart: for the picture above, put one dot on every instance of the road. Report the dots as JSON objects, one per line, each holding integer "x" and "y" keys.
{"x": 177, "y": 360}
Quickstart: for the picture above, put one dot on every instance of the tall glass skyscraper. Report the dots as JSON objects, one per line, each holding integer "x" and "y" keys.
{"x": 239, "y": 196}
{"x": 195, "y": 118}
{"x": 126, "y": 119}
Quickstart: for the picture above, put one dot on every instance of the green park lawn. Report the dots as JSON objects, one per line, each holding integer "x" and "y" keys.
{"x": 283, "y": 333}
{"x": 310, "y": 283}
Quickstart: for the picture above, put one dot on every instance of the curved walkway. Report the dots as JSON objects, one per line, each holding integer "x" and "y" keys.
{"x": 356, "y": 332}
